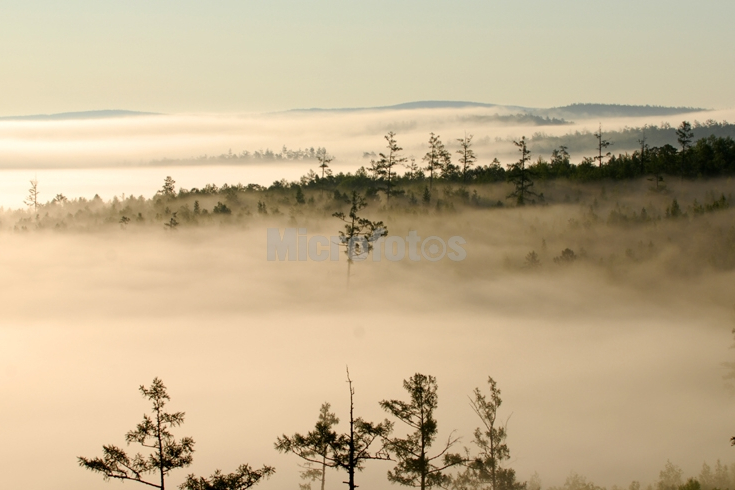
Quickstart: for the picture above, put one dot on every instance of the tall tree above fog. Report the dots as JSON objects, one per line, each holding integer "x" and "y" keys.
{"x": 485, "y": 470}
{"x": 348, "y": 451}
{"x": 467, "y": 156}
{"x": 359, "y": 233}
{"x": 169, "y": 187}
{"x": 316, "y": 447}
{"x": 383, "y": 168}
{"x": 324, "y": 160}
{"x": 415, "y": 467}
{"x": 601, "y": 145}
{"x": 519, "y": 174}
{"x": 32, "y": 200}
{"x": 154, "y": 433}
{"x": 684, "y": 135}
{"x": 434, "y": 157}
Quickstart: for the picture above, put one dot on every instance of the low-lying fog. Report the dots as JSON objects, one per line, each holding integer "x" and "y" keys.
{"x": 84, "y": 149}
{"x": 608, "y": 371}
{"x": 609, "y": 367}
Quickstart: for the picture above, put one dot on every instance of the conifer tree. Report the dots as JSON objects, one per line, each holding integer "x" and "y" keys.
{"x": 467, "y": 156}
{"x": 415, "y": 467}
{"x": 154, "y": 432}
{"x": 520, "y": 175}
{"x": 435, "y": 157}
{"x": 601, "y": 145}
{"x": 359, "y": 233}
{"x": 383, "y": 168}
{"x": 348, "y": 451}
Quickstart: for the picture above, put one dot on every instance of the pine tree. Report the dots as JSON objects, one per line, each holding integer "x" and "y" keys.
{"x": 435, "y": 157}
{"x": 317, "y": 445}
{"x": 359, "y": 233}
{"x": 601, "y": 145}
{"x": 32, "y": 199}
{"x": 415, "y": 467}
{"x": 467, "y": 156}
{"x": 169, "y": 188}
{"x": 348, "y": 451}
{"x": 154, "y": 432}
{"x": 383, "y": 168}
{"x": 520, "y": 175}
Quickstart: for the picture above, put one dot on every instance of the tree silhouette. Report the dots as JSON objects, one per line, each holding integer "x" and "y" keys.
{"x": 347, "y": 451}
{"x": 324, "y": 161}
{"x": 241, "y": 479}
{"x": 484, "y": 470}
{"x": 154, "y": 433}
{"x": 684, "y": 136}
{"x": 467, "y": 156}
{"x": 435, "y": 157}
{"x": 32, "y": 200}
{"x": 359, "y": 233}
{"x": 168, "y": 189}
{"x": 520, "y": 175}
{"x": 383, "y": 168}
{"x": 601, "y": 145}
{"x": 317, "y": 445}
{"x": 415, "y": 468}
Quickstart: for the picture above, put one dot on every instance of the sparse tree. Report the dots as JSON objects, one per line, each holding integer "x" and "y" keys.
{"x": 359, "y": 233}
{"x": 317, "y": 445}
{"x": 519, "y": 174}
{"x": 684, "y": 135}
{"x": 32, "y": 200}
{"x": 348, "y": 451}
{"x": 154, "y": 432}
{"x": 467, "y": 156}
{"x": 434, "y": 157}
{"x": 324, "y": 161}
{"x": 485, "y": 470}
{"x": 415, "y": 467}
{"x": 601, "y": 145}
{"x": 383, "y": 168}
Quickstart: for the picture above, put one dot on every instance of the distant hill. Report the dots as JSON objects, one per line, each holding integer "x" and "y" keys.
{"x": 563, "y": 114}
{"x": 588, "y": 111}
{"x": 422, "y": 104}
{"x": 105, "y": 114}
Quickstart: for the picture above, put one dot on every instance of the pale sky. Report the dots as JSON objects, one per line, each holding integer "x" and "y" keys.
{"x": 241, "y": 56}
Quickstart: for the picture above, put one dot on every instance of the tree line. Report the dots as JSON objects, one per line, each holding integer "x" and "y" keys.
{"x": 418, "y": 459}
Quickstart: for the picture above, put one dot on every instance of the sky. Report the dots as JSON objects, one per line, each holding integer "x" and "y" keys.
{"x": 258, "y": 56}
